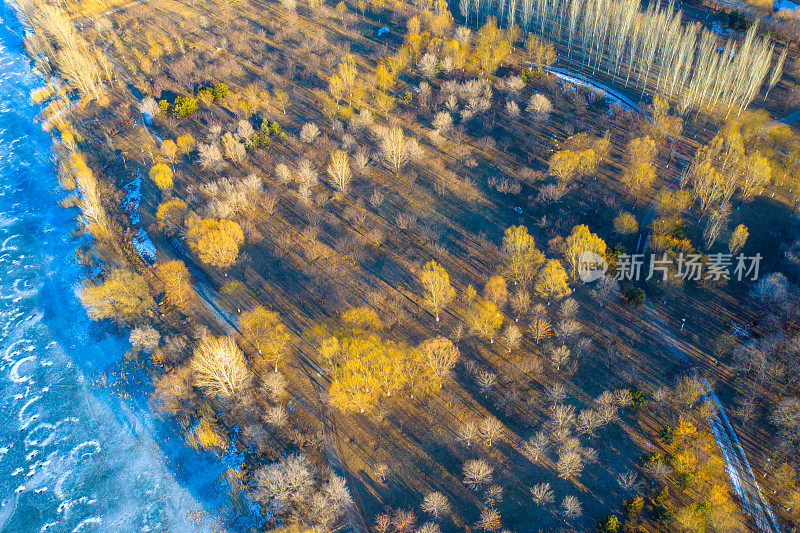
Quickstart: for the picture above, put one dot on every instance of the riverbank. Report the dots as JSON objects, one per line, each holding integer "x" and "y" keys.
{"x": 76, "y": 454}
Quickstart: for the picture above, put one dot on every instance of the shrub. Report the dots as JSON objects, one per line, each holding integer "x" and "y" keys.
{"x": 184, "y": 106}
{"x": 639, "y": 398}
{"x": 220, "y": 90}
{"x": 635, "y": 297}
{"x": 609, "y": 525}
{"x": 666, "y": 434}
{"x": 634, "y": 506}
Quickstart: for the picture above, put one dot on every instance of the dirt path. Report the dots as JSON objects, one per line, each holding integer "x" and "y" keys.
{"x": 355, "y": 514}
{"x": 737, "y": 465}
{"x": 230, "y": 323}
{"x": 744, "y": 481}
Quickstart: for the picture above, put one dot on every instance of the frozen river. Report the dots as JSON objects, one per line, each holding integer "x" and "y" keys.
{"x": 73, "y": 456}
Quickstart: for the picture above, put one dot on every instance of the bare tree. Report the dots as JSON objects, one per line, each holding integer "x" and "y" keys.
{"x": 285, "y": 483}
{"x": 490, "y": 519}
{"x": 220, "y": 367}
{"x": 277, "y": 416}
{"x": 442, "y": 122}
{"x": 629, "y": 480}
{"x": 623, "y": 398}
{"x": 520, "y": 301}
{"x": 588, "y": 421}
{"x": 540, "y": 328}
{"x": 562, "y": 415}
{"x": 606, "y": 289}
{"x": 436, "y": 503}
{"x": 309, "y": 132}
{"x": 467, "y": 433}
{"x": 786, "y": 413}
{"x": 537, "y": 444}
{"x": 659, "y": 470}
{"x": 404, "y": 521}
{"x": 572, "y": 507}
{"x": 559, "y": 356}
{"x": 556, "y": 392}
{"x": 441, "y": 355}
{"x": 542, "y": 494}
{"x": 569, "y": 465}
{"x": 567, "y": 329}
{"x": 339, "y": 171}
{"x": 607, "y": 413}
{"x": 490, "y": 430}
{"x": 428, "y": 65}
{"x": 477, "y": 472}
{"x": 429, "y": 527}
{"x": 511, "y": 337}
{"x": 486, "y": 380}
{"x": 569, "y": 308}
{"x": 539, "y": 107}
{"x": 274, "y": 385}
{"x": 394, "y": 149}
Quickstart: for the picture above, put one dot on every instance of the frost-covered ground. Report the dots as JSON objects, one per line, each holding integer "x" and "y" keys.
{"x": 73, "y": 456}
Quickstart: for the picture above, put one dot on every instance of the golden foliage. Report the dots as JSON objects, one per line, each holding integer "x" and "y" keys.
{"x": 485, "y": 319}
{"x": 186, "y": 143}
{"x": 216, "y": 242}
{"x": 579, "y": 241}
{"x": 496, "y": 290}
{"x": 161, "y": 175}
{"x": 438, "y": 291}
{"x": 522, "y": 257}
{"x": 122, "y": 296}
{"x": 266, "y": 332}
{"x": 177, "y": 282}
{"x": 208, "y": 435}
{"x": 551, "y": 281}
{"x": 626, "y": 224}
{"x": 362, "y": 318}
{"x": 171, "y": 215}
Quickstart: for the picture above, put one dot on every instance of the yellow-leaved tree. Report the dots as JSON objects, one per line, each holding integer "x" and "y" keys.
{"x": 177, "y": 283}
{"x": 640, "y": 172}
{"x": 521, "y": 256}
{"x": 171, "y": 215}
{"x": 123, "y": 296}
{"x": 579, "y": 241}
{"x": 216, "y": 242}
{"x": 170, "y": 150}
{"x": 485, "y": 319}
{"x": 438, "y": 291}
{"x": 551, "y": 281}
{"x": 496, "y": 290}
{"x": 161, "y": 175}
{"x": 564, "y": 165}
{"x": 265, "y": 331}
{"x": 365, "y": 367}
